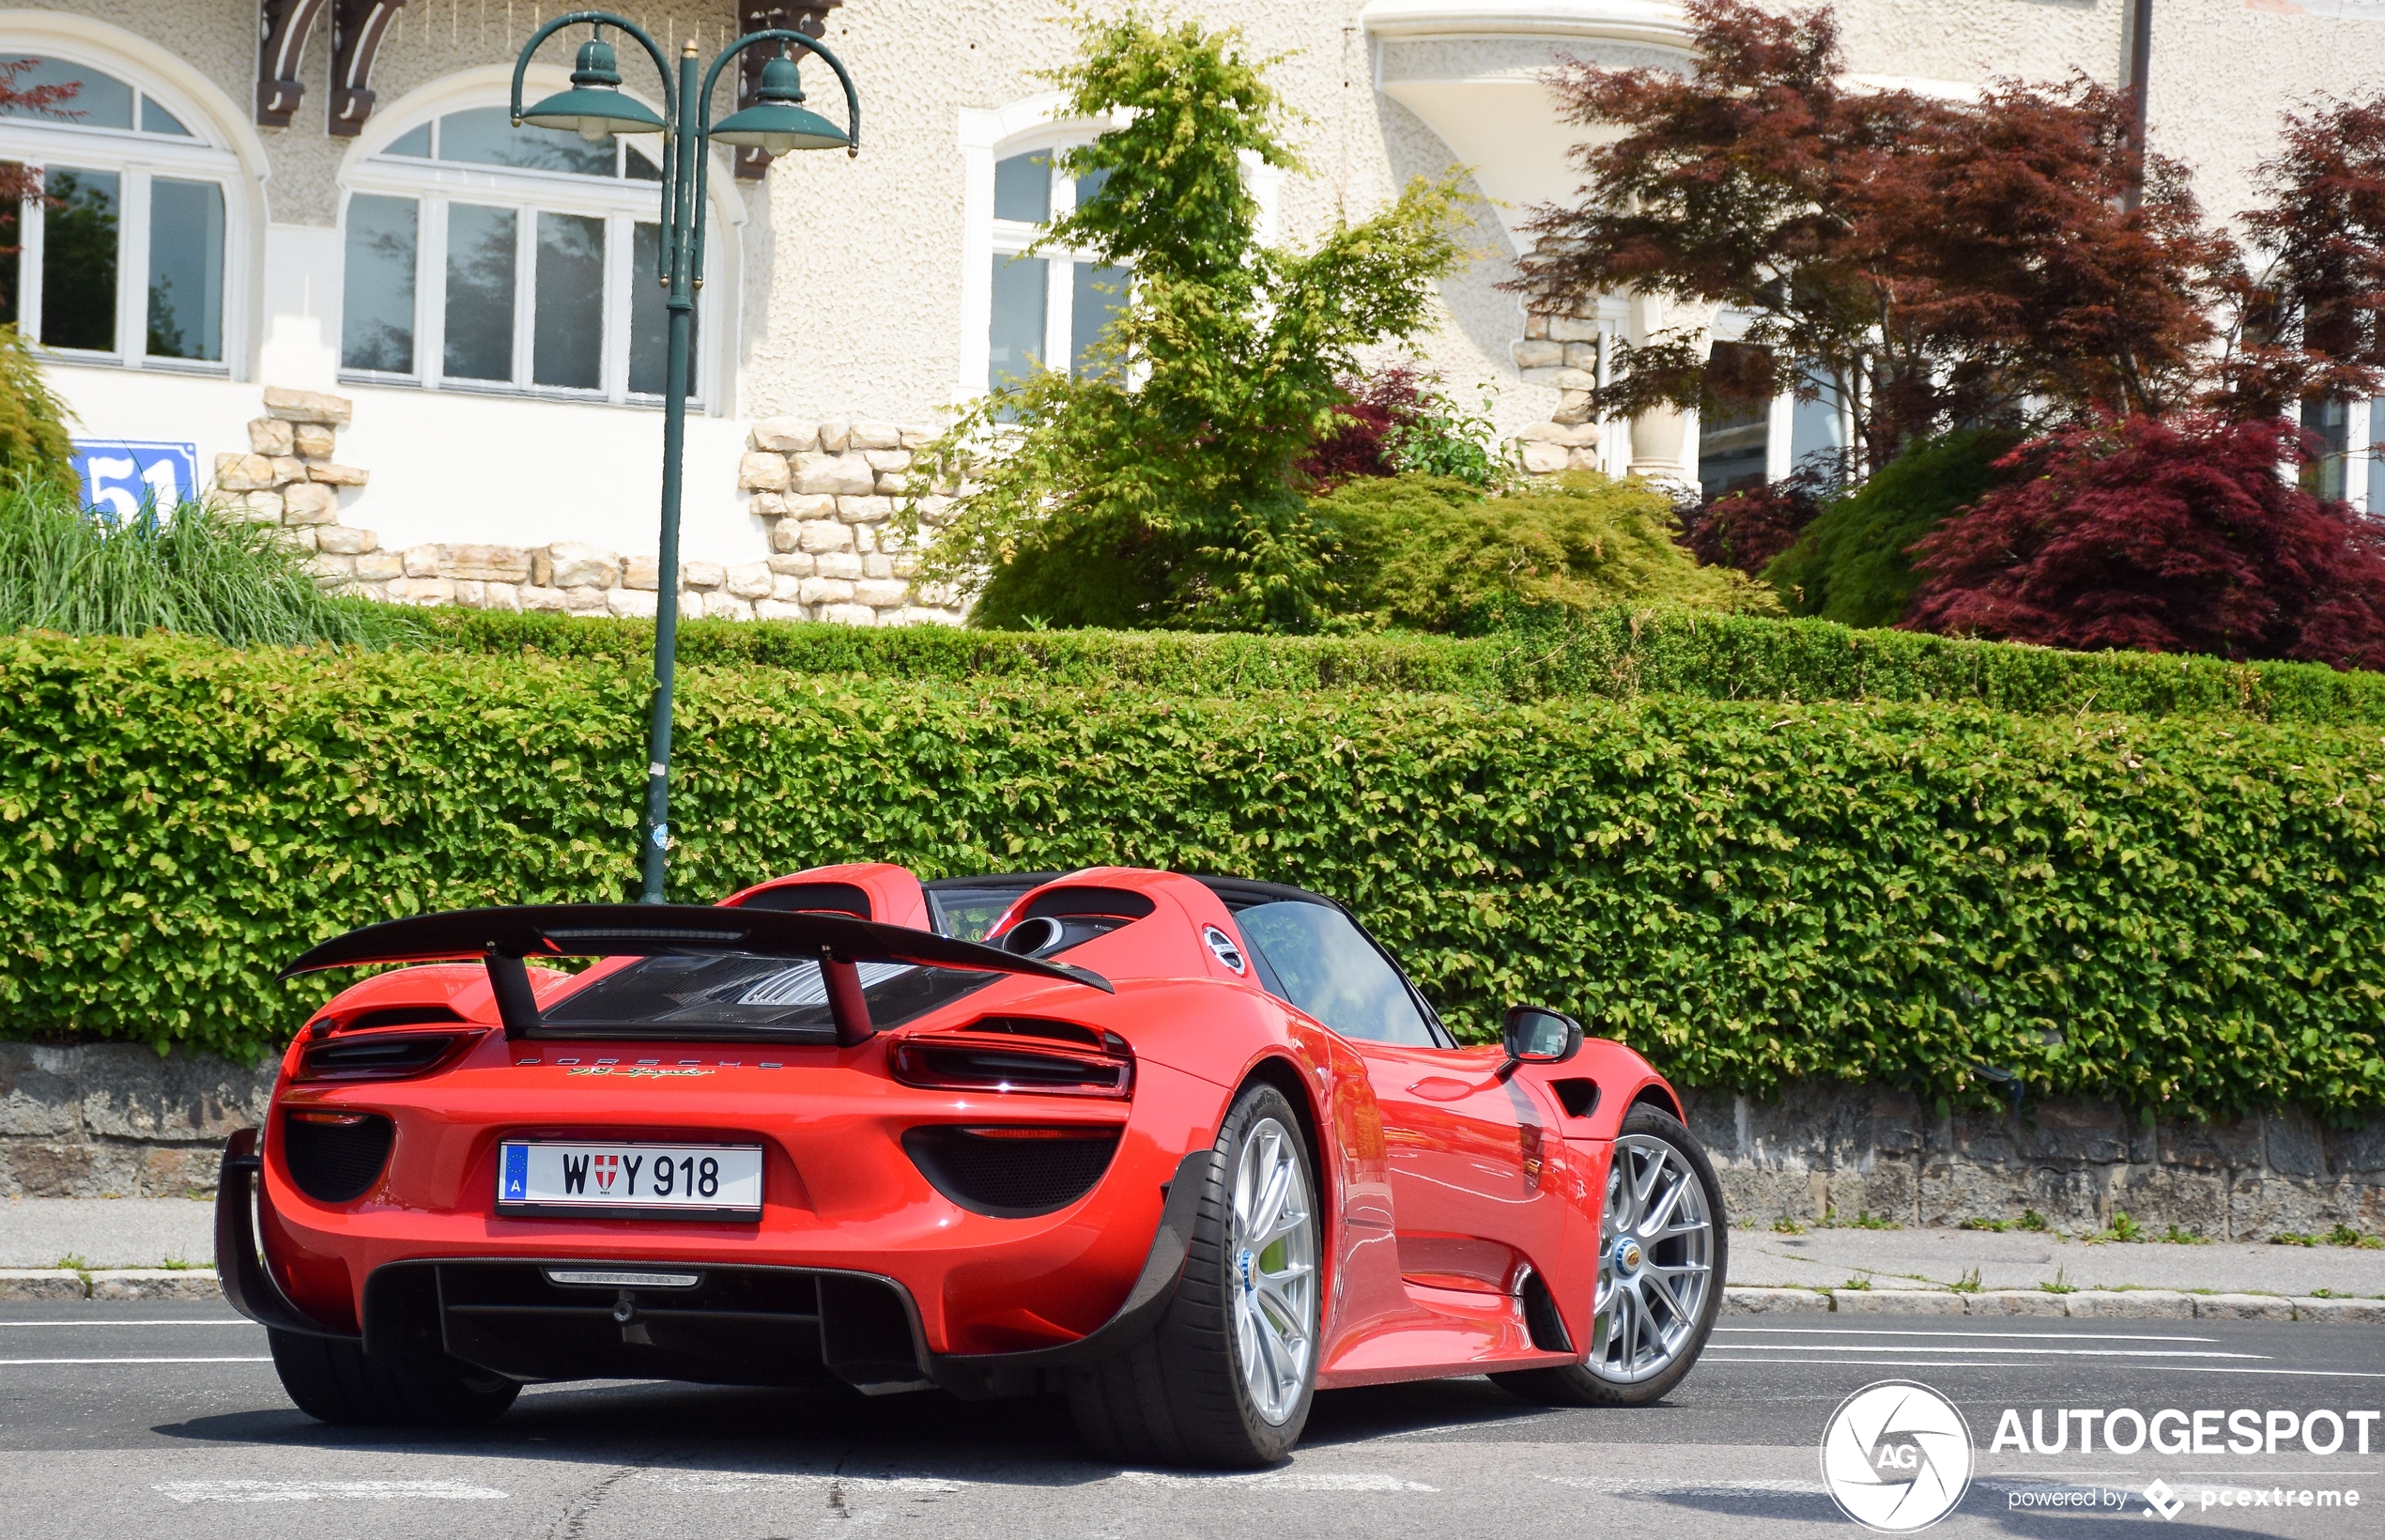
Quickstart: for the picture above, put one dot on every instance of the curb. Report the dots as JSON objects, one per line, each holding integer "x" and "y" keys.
{"x": 110, "y": 1284}
{"x": 2082, "y": 1304}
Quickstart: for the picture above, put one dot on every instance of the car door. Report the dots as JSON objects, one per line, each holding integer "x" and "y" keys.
{"x": 1467, "y": 1146}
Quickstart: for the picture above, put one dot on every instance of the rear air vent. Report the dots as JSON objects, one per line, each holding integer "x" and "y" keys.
{"x": 379, "y": 1056}
{"x": 335, "y": 1156}
{"x": 400, "y": 1016}
{"x": 1063, "y": 902}
{"x": 1011, "y": 1172}
{"x": 812, "y": 898}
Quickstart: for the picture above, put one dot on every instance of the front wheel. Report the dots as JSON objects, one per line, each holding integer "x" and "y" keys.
{"x": 1227, "y": 1377}
{"x": 332, "y": 1380}
{"x": 1661, "y": 1249}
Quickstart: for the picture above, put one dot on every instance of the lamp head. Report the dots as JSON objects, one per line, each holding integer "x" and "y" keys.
{"x": 595, "y": 106}
{"x": 777, "y": 121}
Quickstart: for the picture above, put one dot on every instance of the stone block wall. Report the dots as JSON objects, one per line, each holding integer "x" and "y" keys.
{"x": 1561, "y": 351}
{"x": 826, "y": 493}
{"x": 115, "y": 1119}
{"x": 2076, "y": 1163}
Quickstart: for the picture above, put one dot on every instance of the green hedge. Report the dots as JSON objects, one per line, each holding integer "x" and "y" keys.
{"x": 2183, "y": 912}
{"x": 1614, "y": 654}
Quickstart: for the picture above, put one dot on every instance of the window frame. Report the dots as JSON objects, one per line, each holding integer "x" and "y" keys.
{"x": 137, "y": 158}
{"x": 623, "y": 202}
{"x": 1013, "y": 237}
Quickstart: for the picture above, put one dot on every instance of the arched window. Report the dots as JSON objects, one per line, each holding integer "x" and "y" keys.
{"x": 489, "y": 258}
{"x": 122, "y": 258}
{"x": 1047, "y": 309}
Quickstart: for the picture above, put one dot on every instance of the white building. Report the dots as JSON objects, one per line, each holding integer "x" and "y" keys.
{"x": 324, "y": 198}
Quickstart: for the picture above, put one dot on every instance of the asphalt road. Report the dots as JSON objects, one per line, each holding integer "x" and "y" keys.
{"x": 161, "y": 1419}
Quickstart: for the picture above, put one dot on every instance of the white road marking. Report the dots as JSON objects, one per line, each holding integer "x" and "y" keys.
{"x": 80, "y": 1326}
{"x": 1975, "y": 1363}
{"x": 1993, "y": 1336}
{"x": 315, "y": 1491}
{"x": 759, "y": 1480}
{"x": 2029, "y": 1352}
{"x": 24, "y": 1362}
{"x": 1281, "y": 1481}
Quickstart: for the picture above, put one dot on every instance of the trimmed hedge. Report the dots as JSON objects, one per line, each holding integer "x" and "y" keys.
{"x": 1612, "y": 654}
{"x": 2180, "y": 913}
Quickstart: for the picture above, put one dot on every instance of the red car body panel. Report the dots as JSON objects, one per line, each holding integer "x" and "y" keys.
{"x": 1446, "y": 1187}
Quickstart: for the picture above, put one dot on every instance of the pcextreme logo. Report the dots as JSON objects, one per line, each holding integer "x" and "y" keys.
{"x": 1896, "y": 1456}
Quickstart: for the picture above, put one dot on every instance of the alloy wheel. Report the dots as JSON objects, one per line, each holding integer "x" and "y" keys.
{"x": 1272, "y": 1250}
{"x": 1656, "y": 1262}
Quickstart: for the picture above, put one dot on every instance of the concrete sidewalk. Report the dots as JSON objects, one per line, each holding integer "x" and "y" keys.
{"x": 1938, "y": 1259}
{"x": 106, "y": 1232}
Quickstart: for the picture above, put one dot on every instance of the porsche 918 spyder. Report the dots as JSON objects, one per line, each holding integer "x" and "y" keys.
{"x": 1184, "y": 1149}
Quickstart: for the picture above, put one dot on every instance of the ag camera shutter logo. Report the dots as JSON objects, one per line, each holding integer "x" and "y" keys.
{"x": 1896, "y": 1456}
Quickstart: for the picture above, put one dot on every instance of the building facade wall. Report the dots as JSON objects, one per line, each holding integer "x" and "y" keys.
{"x": 851, "y": 290}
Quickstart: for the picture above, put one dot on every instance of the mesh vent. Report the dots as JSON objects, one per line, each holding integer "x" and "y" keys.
{"x": 335, "y": 1162}
{"x": 1010, "y": 1177}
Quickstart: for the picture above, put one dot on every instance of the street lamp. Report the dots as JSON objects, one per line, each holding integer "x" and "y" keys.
{"x": 778, "y": 122}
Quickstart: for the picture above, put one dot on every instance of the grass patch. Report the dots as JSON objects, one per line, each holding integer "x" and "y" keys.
{"x": 1785, "y": 1226}
{"x": 2060, "y": 1283}
{"x": 1968, "y": 1284}
{"x": 202, "y": 572}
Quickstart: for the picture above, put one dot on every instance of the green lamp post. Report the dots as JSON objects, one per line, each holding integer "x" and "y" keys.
{"x": 775, "y": 124}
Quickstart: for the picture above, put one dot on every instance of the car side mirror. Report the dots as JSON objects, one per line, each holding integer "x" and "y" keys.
{"x": 1536, "y": 1035}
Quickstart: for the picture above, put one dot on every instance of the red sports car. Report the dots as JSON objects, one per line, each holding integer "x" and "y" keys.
{"x": 1184, "y": 1148}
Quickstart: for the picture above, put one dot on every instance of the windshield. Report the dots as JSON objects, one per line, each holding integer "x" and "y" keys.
{"x": 1331, "y": 970}
{"x": 741, "y": 996}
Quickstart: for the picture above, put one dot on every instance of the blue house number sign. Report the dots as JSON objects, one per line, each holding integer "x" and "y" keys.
{"x": 119, "y": 475}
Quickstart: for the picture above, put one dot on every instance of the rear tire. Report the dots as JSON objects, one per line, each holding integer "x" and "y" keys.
{"x": 1662, "y": 1243}
{"x": 1228, "y": 1376}
{"x": 332, "y": 1380}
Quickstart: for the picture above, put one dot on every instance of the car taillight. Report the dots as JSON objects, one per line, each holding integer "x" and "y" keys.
{"x": 380, "y": 1055}
{"x": 988, "y": 1061}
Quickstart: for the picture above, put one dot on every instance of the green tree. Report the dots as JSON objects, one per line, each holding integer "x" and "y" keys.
{"x": 32, "y": 421}
{"x": 1156, "y": 486}
{"x": 1432, "y": 553}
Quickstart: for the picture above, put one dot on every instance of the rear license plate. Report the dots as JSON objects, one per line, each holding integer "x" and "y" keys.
{"x": 594, "y": 1177}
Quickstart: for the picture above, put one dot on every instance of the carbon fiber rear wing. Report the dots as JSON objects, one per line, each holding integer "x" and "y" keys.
{"x": 503, "y": 939}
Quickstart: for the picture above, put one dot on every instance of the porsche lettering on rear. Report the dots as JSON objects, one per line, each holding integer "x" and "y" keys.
{"x": 974, "y": 1136}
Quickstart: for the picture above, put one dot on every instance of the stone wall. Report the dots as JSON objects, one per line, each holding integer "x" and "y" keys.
{"x": 1562, "y": 352}
{"x": 826, "y": 494}
{"x": 2074, "y": 1162}
{"x": 115, "y": 1119}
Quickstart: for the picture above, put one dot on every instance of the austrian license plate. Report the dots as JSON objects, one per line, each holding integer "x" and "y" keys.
{"x": 597, "y": 1178}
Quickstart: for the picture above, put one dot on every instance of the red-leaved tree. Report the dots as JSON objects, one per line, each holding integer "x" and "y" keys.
{"x": 1934, "y": 263}
{"x": 1391, "y": 398}
{"x": 1747, "y": 527}
{"x": 2160, "y": 536}
{"x": 2311, "y": 321}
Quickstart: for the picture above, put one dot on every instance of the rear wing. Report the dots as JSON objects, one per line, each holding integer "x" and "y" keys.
{"x": 505, "y": 938}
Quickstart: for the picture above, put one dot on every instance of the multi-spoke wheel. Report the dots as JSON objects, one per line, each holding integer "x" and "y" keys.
{"x": 1271, "y": 1247}
{"x": 1226, "y": 1376}
{"x": 1661, "y": 1244}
